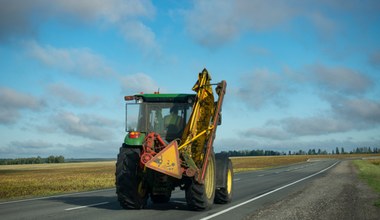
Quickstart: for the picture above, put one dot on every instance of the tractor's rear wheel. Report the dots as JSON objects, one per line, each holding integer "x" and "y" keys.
{"x": 130, "y": 187}
{"x": 201, "y": 196}
{"x": 223, "y": 195}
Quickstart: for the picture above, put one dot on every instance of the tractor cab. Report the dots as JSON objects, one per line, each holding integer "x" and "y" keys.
{"x": 165, "y": 114}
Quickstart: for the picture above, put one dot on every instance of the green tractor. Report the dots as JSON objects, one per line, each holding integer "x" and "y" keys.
{"x": 169, "y": 144}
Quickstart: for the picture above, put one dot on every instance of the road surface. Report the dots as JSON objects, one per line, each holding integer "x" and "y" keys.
{"x": 252, "y": 191}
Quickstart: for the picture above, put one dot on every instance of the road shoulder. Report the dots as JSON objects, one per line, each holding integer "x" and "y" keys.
{"x": 339, "y": 194}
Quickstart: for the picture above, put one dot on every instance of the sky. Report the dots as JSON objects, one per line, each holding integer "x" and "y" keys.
{"x": 300, "y": 74}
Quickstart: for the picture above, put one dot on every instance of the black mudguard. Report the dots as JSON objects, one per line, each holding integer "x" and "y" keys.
{"x": 221, "y": 162}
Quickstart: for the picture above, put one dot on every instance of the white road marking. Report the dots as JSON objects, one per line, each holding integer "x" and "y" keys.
{"x": 265, "y": 194}
{"x": 85, "y": 206}
{"x": 57, "y": 196}
{"x": 179, "y": 202}
{"x": 237, "y": 179}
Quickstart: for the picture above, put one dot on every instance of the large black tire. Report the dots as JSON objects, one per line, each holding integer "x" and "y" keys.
{"x": 160, "y": 186}
{"x": 201, "y": 196}
{"x": 130, "y": 188}
{"x": 223, "y": 194}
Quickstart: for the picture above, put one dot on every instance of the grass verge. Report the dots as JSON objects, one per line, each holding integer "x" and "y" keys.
{"x": 369, "y": 171}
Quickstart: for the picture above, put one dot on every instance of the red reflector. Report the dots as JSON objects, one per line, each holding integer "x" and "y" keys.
{"x": 134, "y": 134}
{"x": 129, "y": 98}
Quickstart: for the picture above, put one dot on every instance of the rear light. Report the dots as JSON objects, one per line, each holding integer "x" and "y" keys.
{"x": 129, "y": 98}
{"x": 134, "y": 134}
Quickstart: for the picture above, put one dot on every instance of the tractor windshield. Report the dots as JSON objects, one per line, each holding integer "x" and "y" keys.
{"x": 166, "y": 119}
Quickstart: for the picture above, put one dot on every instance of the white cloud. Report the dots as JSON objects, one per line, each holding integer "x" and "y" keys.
{"x": 71, "y": 95}
{"x": 327, "y": 26}
{"x": 374, "y": 59}
{"x": 340, "y": 79}
{"x": 21, "y": 19}
{"x": 28, "y": 148}
{"x": 315, "y": 125}
{"x": 263, "y": 87}
{"x": 213, "y": 23}
{"x": 85, "y": 125}
{"x": 12, "y": 102}
{"x": 139, "y": 82}
{"x": 81, "y": 61}
{"x": 142, "y": 35}
{"x": 345, "y": 115}
{"x": 34, "y": 148}
{"x": 273, "y": 133}
{"x": 361, "y": 111}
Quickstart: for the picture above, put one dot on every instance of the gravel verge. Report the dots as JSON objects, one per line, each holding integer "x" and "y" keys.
{"x": 340, "y": 194}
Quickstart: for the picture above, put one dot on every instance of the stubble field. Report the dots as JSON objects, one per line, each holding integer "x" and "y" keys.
{"x": 25, "y": 181}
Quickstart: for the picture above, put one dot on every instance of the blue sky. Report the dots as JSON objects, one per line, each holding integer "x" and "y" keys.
{"x": 300, "y": 74}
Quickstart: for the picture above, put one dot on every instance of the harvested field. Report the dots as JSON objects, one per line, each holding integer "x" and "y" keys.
{"x": 261, "y": 162}
{"x": 22, "y": 181}
{"x": 25, "y": 181}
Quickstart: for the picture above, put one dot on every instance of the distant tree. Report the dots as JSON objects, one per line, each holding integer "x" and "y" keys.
{"x": 342, "y": 151}
{"x": 50, "y": 159}
{"x": 337, "y": 150}
{"x": 357, "y": 151}
{"x": 59, "y": 159}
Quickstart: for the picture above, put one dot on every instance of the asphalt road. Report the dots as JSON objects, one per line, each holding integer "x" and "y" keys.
{"x": 252, "y": 190}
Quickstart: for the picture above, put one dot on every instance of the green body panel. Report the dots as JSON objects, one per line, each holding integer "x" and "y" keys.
{"x": 134, "y": 141}
{"x": 182, "y": 98}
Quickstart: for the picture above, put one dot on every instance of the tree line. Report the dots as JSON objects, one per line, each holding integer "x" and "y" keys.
{"x": 33, "y": 160}
{"x": 358, "y": 150}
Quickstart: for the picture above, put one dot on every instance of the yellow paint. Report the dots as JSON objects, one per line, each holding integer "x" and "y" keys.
{"x": 229, "y": 181}
{"x": 167, "y": 161}
{"x": 196, "y": 132}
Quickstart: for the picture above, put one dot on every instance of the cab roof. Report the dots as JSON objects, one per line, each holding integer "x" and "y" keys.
{"x": 179, "y": 98}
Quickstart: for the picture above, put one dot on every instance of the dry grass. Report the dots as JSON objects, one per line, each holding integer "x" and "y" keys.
{"x": 262, "y": 162}
{"x": 23, "y": 181}
{"x": 375, "y": 161}
{"x": 255, "y": 163}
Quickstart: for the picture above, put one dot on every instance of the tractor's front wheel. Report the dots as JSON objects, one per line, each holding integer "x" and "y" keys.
{"x": 201, "y": 196}
{"x": 130, "y": 187}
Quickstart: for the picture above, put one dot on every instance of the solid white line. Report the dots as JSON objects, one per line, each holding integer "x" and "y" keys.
{"x": 57, "y": 196}
{"x": 85, "y": 206}
{"x": 179, "y": 202}
{"x": 265, "y": 194}
{"x": 237, "y": 179}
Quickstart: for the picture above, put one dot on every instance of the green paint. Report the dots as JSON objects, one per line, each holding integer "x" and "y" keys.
{"x": 134, "y": 141}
